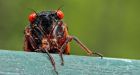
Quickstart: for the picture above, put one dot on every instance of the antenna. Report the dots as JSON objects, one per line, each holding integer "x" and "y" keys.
{"x": 32, "y": 10}
{"x": 60, "y": 7}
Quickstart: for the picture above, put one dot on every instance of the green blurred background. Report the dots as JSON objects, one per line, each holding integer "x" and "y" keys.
{"x": 111, "y": 27}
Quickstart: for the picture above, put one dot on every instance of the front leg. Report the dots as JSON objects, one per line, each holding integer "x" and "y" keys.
{"x": 55, "y": 45}
{"x": 61, "y": 56}
{"x": 42, "y": 50}
{"x": 70, "y": 38}
{"x": 52, "y": 60}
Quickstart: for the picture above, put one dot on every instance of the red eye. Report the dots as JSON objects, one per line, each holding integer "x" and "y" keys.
{"x": 60, "y": 14}
{"x": 32, "y": 17}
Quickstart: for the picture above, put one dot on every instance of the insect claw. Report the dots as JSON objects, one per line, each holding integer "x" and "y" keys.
{"x": 62, "y": 63}
{"x": 90, "y": 54}
{"x": 98, "y": 54}
{"x": 37, "y": 50}
{"x": 56, "y": 72}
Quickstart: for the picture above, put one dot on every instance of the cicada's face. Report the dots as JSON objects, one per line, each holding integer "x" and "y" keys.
{"x": 46, "y": 16}
{"x": 45, "y": 19}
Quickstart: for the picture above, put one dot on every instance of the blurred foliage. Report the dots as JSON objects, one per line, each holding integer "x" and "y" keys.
{"x": 111, "y": 27}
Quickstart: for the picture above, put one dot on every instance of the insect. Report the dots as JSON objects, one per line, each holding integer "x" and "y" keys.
{"x": 48, "y": 33}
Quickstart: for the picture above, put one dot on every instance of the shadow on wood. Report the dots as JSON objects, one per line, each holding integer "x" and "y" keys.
{"x": 31, "y": 63}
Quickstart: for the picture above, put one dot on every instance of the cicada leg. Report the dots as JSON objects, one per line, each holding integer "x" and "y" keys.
{"x": 70, "y": 38}
{"x": 52, "y": 60}
{"x": 29, "y": 42}
{"x": 61, "y": 56}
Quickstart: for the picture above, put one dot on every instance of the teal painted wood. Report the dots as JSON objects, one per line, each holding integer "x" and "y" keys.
{"x": 31, "y": 63}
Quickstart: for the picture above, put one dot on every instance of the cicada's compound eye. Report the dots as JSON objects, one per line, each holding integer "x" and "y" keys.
{"x": 32, "y": 17}
{"x": 60, "y": 14}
